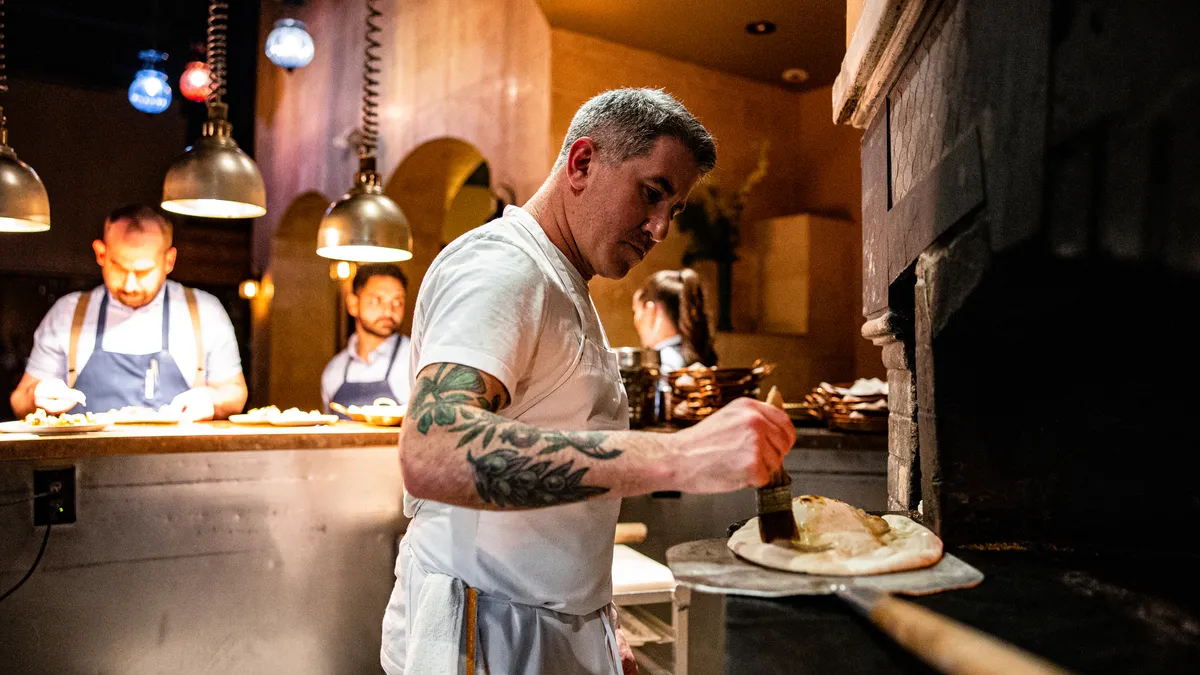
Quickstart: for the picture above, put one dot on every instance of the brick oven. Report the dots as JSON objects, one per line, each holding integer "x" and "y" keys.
{"x": 1031, "y": 255}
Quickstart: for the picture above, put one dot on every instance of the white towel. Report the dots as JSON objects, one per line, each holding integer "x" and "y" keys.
{"x": 436, "y": 628}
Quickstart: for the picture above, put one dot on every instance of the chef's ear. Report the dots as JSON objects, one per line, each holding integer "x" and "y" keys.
{"x": 352, "y": 304}
{"x": 169, "y": 260}
{"x": 99, "y": 248}
{"x": 580, "y": 159}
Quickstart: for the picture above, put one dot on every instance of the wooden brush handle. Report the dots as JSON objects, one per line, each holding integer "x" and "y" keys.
{"x": 952, "y": 647}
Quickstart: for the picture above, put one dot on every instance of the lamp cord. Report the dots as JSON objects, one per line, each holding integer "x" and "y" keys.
{"x": 3, "y": 69}
{"x": 371, "y": 70}
{"x": 32, "y": 568}
{"x": 215, "y": 50}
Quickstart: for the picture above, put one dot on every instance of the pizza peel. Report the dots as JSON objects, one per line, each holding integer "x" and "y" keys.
{"x": 951, "y": 647}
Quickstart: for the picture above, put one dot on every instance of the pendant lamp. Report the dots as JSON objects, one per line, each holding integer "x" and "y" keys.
{"x": 365, "y": 225}
{"x": 214, "y": 178}
{"x": 150, "y": 91}
{"x": 24, "y": 205}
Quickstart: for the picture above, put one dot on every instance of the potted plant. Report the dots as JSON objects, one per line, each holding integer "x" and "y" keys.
{"x": 712, "y": 220}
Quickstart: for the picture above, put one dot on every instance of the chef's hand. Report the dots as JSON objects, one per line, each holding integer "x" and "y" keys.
{"x": 196, "y": 404}
{"x": 55, "y": 397}
{"x": 740, "y": 445}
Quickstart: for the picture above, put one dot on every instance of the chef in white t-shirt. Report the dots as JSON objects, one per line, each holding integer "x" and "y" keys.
{"x": 516, "y": 449}
{"x": 136, "y": 340}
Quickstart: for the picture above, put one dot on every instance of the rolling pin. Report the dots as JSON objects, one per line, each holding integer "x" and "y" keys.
{"x": 630, "y": 533}
{"x": 943, "y": 643}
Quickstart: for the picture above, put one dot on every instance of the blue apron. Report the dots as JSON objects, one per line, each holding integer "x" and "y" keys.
{"x": 365, "y": 393}
{"x": 111, "y": 380}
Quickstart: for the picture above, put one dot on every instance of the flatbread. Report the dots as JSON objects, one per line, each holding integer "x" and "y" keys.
{"x": 854, "y": 542}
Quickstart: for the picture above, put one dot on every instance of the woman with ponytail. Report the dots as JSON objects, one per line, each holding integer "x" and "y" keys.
{"x": 668, "y": 312}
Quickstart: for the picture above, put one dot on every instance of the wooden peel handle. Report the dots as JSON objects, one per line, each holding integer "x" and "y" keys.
{"x": 952, "y": 647}
{"x": 630, "y": 533}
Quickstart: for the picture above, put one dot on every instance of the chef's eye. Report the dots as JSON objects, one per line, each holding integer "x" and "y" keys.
{"x": 653, "y": 196}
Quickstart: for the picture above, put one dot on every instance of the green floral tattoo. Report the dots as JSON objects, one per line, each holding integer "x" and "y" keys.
{"x": 455, "y": 398}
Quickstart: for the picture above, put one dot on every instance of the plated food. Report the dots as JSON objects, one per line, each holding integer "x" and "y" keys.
{"x": 292, "y": 417}
{"x": 134, "y": 414}
{"x": 383, "y": 412}
{"x": 40, "y": 422}
{"x": 841, "y": 540}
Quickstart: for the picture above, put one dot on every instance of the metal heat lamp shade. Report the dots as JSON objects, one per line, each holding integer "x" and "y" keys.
{"x": 365, "y": 225}
{"x": 214, "y": 178}
{"x": 24, "y": 206}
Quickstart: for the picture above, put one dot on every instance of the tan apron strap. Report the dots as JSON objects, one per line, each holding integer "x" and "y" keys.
{"x": 470, "y": 630}
{"x": 76, "y": 328}
{"x": 194, "y": 310}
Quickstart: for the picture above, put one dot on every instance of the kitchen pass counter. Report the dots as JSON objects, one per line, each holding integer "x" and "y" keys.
{"x": 219, "y": 436}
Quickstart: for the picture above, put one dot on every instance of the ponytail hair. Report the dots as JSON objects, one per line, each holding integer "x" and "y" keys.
{"x": 681, "y": 295}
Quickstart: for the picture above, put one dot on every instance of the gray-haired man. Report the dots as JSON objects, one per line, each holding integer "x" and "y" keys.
{"x": 516, "y": 449}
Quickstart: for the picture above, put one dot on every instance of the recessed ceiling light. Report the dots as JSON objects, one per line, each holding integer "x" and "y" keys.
{"x": 760, "y": 27}
{"x": 795, "y": 75}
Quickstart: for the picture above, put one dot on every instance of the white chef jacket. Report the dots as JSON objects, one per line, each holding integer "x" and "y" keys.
{"x": 503, "y": 299}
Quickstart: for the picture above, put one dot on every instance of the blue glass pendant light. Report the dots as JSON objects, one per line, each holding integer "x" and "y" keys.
{"x": 150, "y": 91}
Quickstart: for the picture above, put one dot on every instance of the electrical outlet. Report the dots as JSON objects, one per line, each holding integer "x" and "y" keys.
{"x": 57, "y": 507}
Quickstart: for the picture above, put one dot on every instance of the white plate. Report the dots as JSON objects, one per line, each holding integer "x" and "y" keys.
{"x": 157, "y": 419}
{"x": 248, "y": 419}
{"x": 20, "y": 427}
{"x": 306, "y": 422}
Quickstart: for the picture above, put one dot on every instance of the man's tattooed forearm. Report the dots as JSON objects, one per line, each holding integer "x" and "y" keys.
{"x": 505, "y": 478}
{"x": 507, "y": 469}
{"x": 437, "y": 402}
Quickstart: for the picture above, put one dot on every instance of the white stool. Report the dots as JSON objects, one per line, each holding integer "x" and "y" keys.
{"x": 639, "y": 580}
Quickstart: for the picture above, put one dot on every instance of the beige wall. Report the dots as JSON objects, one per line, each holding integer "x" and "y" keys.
{"x": 493, "y": 75}
{"x": 472, "y": 70}
{"x": 814, "y": 167}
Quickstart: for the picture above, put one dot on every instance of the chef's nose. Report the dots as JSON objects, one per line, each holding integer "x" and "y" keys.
{"x": 131, "y": 284}
{"x": 659, "y": 225}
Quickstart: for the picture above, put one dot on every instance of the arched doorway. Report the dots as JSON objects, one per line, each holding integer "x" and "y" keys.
{"x": 444, "y": 188}
{"x": 296, "y": 318}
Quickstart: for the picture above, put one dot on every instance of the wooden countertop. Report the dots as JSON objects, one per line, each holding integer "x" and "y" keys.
{"x": 131, "y": 439}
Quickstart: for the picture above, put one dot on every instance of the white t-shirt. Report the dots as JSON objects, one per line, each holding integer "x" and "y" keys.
{"x": 371, "y": 370}
{"x": 500, "y": 299}
{"x": 487, "y": 303}
{"x": 138, "y": 331}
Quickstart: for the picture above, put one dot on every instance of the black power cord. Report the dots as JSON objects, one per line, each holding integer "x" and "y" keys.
{"x": 24, "y": 500}
{"x": 41, "y": 551}
{"x": 38, "y": 559}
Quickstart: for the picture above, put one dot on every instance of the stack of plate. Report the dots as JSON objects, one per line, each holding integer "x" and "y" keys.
{"x": 698, "y": 392}
{"x": 861, "y": 406}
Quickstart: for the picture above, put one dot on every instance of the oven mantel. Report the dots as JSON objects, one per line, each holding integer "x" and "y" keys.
{"x": 886, "y": 34}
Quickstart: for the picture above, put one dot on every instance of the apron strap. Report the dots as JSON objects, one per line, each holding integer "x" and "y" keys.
{"x": 391, "y": 362}
{"x": 194, "y": 310}
{"x": 76, "y": 328}
{"x": 387, "y": 373}
{"x": 471, "y": 608}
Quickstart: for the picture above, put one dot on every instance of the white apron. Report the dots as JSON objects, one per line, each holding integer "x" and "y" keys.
{"x": 543, "y": 576}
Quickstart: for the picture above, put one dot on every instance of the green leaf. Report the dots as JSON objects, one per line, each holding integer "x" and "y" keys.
{"x": 443, "y": 415}
{"x": 487, "y": 438}
{"x": 424, "y": 423}
{"x": 469, "y": 436}
{"x": 462, "y": 378}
